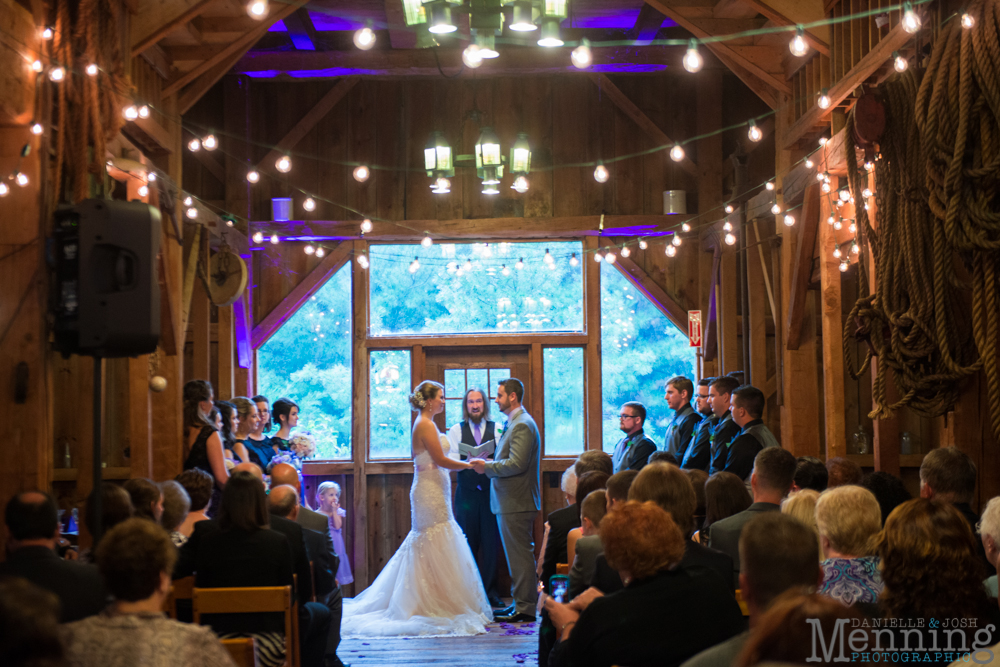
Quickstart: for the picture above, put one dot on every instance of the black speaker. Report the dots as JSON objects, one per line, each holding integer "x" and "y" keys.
{"x": 105, "y": 297}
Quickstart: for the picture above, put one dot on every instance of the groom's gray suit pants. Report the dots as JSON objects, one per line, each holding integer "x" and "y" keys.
{"x": 517, "y": 532}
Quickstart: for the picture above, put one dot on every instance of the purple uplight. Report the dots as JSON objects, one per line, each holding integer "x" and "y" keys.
{"x": 278, "y": 26}
{"x": 332, "y": 72}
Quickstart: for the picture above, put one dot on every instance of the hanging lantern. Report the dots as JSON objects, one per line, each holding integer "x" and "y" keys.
{"x": 437, "y": 157}
{"x": 489, "y": 164}
{"x": 523, "y": 16}
{"x": 520, "y": 155}
{"x": 486, "y": 41}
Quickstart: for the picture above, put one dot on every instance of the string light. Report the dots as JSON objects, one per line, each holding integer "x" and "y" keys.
{"x": 320, "y": 252}
{"x": 91, "y": 69}
{"x": 366, "y": 226}
{"x": 729, "y": 209}
{"x": 693, "y": 61}
{"x": 192, "y": 213}
{"x": 899, "y": 63}
{"x": 309, "y": 204}
{"x": 144, "y": 113}
{"x": 253, "y": 176}
{"x": 209, "y": 143}
{"x": 866, "y": 193}
{"x": 520, "y": 184}
{"x": 363, "y": 261}
{"x": 855, "y": 248}
{"x": 581, "y": 56}
{"x": 130, "y": 112}
{"x": 844, "y": 266}
{"x": 836, "y": 252}
{"x": 821, "y": 176}
{"x": 573, "y": 261}
{"x": 809, "y": 163}
{"x": 799, "y": 46}
{"x": 283, "y": 164}
{"x": 670, "y": 250}
{"x": 257, "y": 9}
{"x": 230, "y": 222}
{"x": 143, "y": 191}
{"x": 826, "y": 187}
{"x": 869, "y": 166}
{"x": 520, "y": 264}
{"x": 467, "y": 266}
{"x": 839, "y": 224}
{"x": 844, "y": 194}
{"x": 789, "y": 220}
{"x": 57, "y": 74}
{"x": 274, "y": 239}
{"x": 822, "y": 141}
{"x": 769, "y": 186}
{"x": 427, "y": 242}
{"x": 364, "y": 38}
{"x": 47, "y": 33}
{"x": 625, "y": 251}
{"x": 730, "y": 239}
{"x": 37, "y": 66}
{"x": 472, "y": 56}
{"x": 258, "y": 237}
{"x": 831, "y": 220}
{"x": 4, "y": 190}
{"x": 21, "y": 179}
{"x": 194, "y": 145}
{"x": 776, "y": 208}
{"x": 361, "y": 173}
{"x": 685, "y": 227}
{"x": 598, "y": 257}
{"x": 414, "y": 265}
{"x": 727, "y": 226}
{"x": 309, "y": 249}
{"x": 968, "y": 20}
{"x": 504, "y": 270}
{"x": 547, "y": 258}
{"x": 676, "y": 240}
{"x": 610, "y": 257}
{"x": 37, "y": 128}
{"x": 642, "y": 244}
{"x": 824, "y": 99}
{"x": 601, "y": 174}
{"x": 911, "y": 22}
{"x": 754, "y": 133}
{"x": 853, "y": 227}
{"x": 677, "y": 153}
{"x": 188, "y": 201}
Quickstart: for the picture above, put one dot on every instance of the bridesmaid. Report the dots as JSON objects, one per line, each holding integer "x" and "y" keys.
{"x": 286, "y": 416}
{"x": 203, "y": 446}
{"x": 255, "y": 451}
{"x": 227, "y": 433}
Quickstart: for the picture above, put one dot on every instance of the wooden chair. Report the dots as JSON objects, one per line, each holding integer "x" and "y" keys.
{"x": 243, "y": 651}
{"x": 181, "y": 589}
{"x": 562, "y": 568}
{"x": 249, "y": 601}
{"x": 743, "y": 605}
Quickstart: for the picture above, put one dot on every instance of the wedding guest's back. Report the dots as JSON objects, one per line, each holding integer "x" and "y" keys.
{"x": 29, "y": 625}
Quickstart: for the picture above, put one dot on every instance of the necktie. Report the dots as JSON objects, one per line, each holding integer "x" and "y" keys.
{"x": 477, "y": 434}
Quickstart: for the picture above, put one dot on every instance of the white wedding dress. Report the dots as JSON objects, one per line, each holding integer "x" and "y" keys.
{"x": 431, "y": 586}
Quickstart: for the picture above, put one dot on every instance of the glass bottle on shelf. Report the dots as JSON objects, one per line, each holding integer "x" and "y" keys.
{"x": 860, "y": 440}
{"x": 67, "y": 457}
{"x": 906, "y": 443}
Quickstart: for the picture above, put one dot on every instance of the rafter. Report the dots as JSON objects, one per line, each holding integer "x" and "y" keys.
{"x": 180, "y": 20}
{"x": 658, "y": 296}
{"x": 301, "y": 30}
{"x": 194, "y": 92}
{"x": 648, "y": 23}
{"x": 777, "y": 18}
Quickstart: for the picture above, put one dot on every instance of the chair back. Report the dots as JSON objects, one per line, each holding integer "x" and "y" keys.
{"x": 251, "y": 601}
{"x": 180, "y": 589}
{"x": 243, "y": 651}
{"x": 562, "y": 568}
{"x": 743, "y": 605}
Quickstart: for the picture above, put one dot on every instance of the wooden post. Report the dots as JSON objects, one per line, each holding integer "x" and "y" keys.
{"x": 359, "y": 431}
{"x": 833, "y": 338}
{"x": 140, "y": 424}
{"x": 201, "y": 315}
{"x": 592, "y": 368}
{"x": 728, "y": 324}
{"x": 226, "y": 354}
{"x": 709, "y": 119}
{"x": 758, "y": 313}
{"x": 536, "y": 367}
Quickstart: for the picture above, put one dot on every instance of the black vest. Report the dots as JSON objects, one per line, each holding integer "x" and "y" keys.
{"x": 470, "y": 480}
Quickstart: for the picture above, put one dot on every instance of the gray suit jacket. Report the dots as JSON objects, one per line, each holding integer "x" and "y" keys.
{"x": 313, "y": 520}
{"x": 584, "y": 564}
{"x": 515, "y": 472}
{"x": 724, "y": 535}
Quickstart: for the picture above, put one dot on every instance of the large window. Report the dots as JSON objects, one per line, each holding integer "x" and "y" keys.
{"x": 563, "y": 400}
{"x": 457, "y": 381}
{"x": 309, "y": 361}
{"x": 389, "y": 404}
{"x": 476, "y": 288}
{"x": 640, "y": 350}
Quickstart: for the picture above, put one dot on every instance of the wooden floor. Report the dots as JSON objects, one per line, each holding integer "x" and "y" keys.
{"x": 504, "y": 645}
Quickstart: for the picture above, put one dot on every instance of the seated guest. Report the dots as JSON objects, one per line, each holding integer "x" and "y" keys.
{"x": 663, "y": 616}
{"x": 848, "y": 517}
{"x": 949, "y": 475}
{"x": 283, "y": 473}
{"x": 198, "y": 485}
{"x": 770, "y": 481}
{"x": 29, "y": 625}
{"x": 136, "y": 559}
{"x": 244, "y": 548}
{"x": 989, "y": 533}
{"x": 590, "y": 482}
{"x": 786, "y": 633}
{"x": 116, "y": 506}
{"x": 698, "y": 479}
{"x": 777, "y": 554}
{"x": 662, "y": 457}
{"x": 889, "y": 490}
{"x": 801, "y": 505}
{"x": 632, "y": 451}
{"x": 841, "y": 471}
{"x": 568, "y": 486}
{"x": 176, "y": 504}
{"x": 810, "y": 473}
{"x": 33, "y": 530}
{"x": 584, "y": 551}
{"x": 725, "y": 496}
{"x": 618, "y": 486}
{"x": 747, "y": 409}
{"x": 929, "y": 566}
{"x": 147, "y": 499}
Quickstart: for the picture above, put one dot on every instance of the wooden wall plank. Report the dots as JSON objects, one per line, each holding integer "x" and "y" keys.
{"x": 592, "y": 366}
{"x": 226, "y": 354}
{"x": 359, "y": 420}
{"x": 833, "y": 338}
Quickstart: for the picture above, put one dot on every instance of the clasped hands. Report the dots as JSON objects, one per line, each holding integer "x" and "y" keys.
{"x": 565, "y": 615}
{"x": 479, "y": 465}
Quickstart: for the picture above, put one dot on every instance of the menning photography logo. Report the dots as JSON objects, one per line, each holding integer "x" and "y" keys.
{"x": 902, "y": 640}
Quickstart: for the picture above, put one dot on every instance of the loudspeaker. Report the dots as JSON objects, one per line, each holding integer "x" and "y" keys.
{"x": 105, "y": 297}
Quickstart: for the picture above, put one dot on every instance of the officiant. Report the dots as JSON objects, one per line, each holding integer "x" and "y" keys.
{"x": 472, "y": 495}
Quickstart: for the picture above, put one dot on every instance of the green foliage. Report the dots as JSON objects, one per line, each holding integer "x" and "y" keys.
{"x": 563, "y": 400}
{"x": 390, "y": 413}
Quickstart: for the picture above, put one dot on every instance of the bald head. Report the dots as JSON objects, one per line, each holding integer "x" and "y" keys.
{"x": 32, "y": 519}
{"x": 283, "y": 501}
{"x": 251, "y": 468}
{"x": 283, "y": 473}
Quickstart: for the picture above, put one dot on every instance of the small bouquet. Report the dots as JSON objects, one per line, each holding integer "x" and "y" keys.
{"x": 303, "y": 445}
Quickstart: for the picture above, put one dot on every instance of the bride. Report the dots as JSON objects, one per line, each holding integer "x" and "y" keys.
{"x": 431, "y": 586}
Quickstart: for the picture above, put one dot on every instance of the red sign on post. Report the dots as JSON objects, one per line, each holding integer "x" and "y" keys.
{"x": 694, "y": 328}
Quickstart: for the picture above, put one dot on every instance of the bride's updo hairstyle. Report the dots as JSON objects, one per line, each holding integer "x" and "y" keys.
{"x": 424, "y": 392}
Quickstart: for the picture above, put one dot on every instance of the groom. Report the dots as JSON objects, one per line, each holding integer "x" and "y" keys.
{"x": 515, "y": 497}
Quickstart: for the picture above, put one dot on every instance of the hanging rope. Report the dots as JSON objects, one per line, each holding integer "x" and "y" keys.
{"x": 938, "y": 229}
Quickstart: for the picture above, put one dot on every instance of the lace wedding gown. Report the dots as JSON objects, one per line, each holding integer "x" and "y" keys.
{"x": 431, "y": 586}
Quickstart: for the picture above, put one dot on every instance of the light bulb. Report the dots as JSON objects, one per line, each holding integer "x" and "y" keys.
{"x": 727, "y": 226}
{"x": 968, "y": 20}
{"x": 776, "y": 209}
{"x": 822, "y": 141}
{"x": 91, "y": 69}
{"x": 57, "y": 74}
{"x": 598, "y": 257}
{"x": 151, "y": 177}
{"x": 547, "y": 258}
{"x": 504, "y": 270}
{"x": 845, "y": 194}
{"x": 830, "y": 220}
{"x": 257, "y": 9}
{"x": 37, "y": 128}
{"x": 192, "y": 213}
{"x": 677, "y": 153}
{"x": 844, "y": 266}
{"x": 144, "y": 113}
{"x": 685, "y": 227}
{"x": 427, "y": 242}
{"x": 414, "y": 265}
{"x": 364, "y": 38}
{"x": 520, "y": 264}
{"x": 21, "y": 179}
{"x": 194, "y": 145}
{"x": 274, "y": 239}
{"x": 671, "y": 251}
{"x": 676, "y": 240}
{"x": 601, "y": 174}
{"x": 754, "y": 133}
{"x": 130, "y": 112}
{"x": 824, "y": 100}
{"x": 789, "y": 220}
{"x": 899, "y": 63}
{"x": 362, "y": 260}
{"x": 188, "y": 201}
{"x": 309, "y": 204}
{"x": 520, "y": 184}
{"x": 729, "y": 209}
{"x": 837, "y": 253}
{"x": 625, "y": 251}
{"x": 253, "y": 176}
{"x": 730, "y": 238}
{"x": 143, "y": 191}
{"x": 853, "y": 227}
{"x": 911, "y": 22}
{"x": 320, "y": 252}
{"x": 693, "y": 61}
{"x": 490, "y": 189}
{"x": 283, "y": 164}
{"x": 855, "y": 248}
{"x": 799, "y": 46}
{"x": 610, "y": 258}
{"x": 47, "y": 33}
{"x": 309, "y": 249}
{"x": 4, "y": 190}
{"x": 825, "y": 187}
{"x": 361, "y": 173}
{"x": 820, "y": 176}
{"x": 642, "y": 244}
{"x": 366, "y": 226}
{"x": 210, "y": 143}
{"x": 869, "y": 166}
{"x": 769, "y": 186}
{"x": 37, "y": 66}
{"x": 839, "y": 224}
{"x": 472, "y": 57}
{"x": 230, "y": 222}
{"x": 809, "y": 163}
{"x": 258, "y": 237}
{"x": 581, "y": 56}
{"x": 866, "y": 193}
{"x": 441, "y": 186}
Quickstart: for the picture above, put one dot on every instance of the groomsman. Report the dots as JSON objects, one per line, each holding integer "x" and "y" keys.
{"x": 726, "y": 430}
{"x": 472, "y": 494}
{"x": 632, "y": 451}
{"x": 678, "y": 397}
{"x": 698, "y": 452}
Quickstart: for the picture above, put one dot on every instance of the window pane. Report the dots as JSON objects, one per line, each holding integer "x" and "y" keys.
{"x": 496, "y": 375}
{"x": 478, "y": 377}
{"x": 452, "y": 412}
{"x": 475, "y": 288}
{"x": 640, "y": 350}
{"x": 309, "y": 360}
{"x": 563, "y": 400}
{"x": 390, "y": 416}
{"x": 454, "y": 382}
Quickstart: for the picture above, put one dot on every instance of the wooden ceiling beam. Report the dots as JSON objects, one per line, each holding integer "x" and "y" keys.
{"x": 179, "y": 21}
{"x": 648, "y": 23}
{"x": 777, "y": 18}
{"x": 639, "y": 279}
{"x": 301, "y": 30}
{"x": 650, "y": 128}
{"x": 194, "y": 92}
